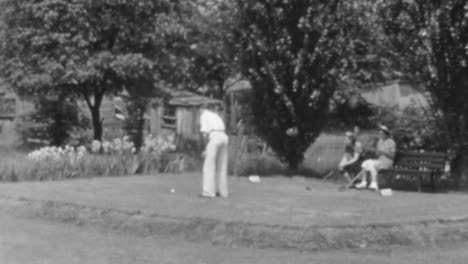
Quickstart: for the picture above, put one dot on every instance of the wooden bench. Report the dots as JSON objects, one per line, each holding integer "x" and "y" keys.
{"x": 419, "y": 164}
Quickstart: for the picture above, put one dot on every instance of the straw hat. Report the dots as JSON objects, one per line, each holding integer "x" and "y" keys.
{"x": 384, "y": 129}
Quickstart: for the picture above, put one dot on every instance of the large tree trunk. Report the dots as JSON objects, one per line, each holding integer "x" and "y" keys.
{"x": 95, "y": 112}
{"x": 293, "y": 167}
{"x": 97, "y": 122}
{"x": 140, "y": 128}
{"x": 221, "y": 92}
{"x": 294, "y": 161}
{"x": 461, "y": 162}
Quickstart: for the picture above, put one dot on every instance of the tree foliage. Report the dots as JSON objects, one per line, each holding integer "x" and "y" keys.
{"x": 88, "y": 49}
{"x": 297, "y": 54}
{"x": 207, "y": 54}
{"x": 430, "y": 42}
{"x": 54, "y": 120}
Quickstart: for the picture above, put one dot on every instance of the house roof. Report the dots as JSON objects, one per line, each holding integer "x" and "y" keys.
{"x": 234, "y": 85}
{"x": 186, "y": 98}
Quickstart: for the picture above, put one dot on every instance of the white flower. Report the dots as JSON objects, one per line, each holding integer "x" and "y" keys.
{"x": 57, "y": 154}
{"x": 96, "y": 146}
{"x": 82, "y": 149}
{"x": 106, "y": 145}
{"x": 117, "y": 144}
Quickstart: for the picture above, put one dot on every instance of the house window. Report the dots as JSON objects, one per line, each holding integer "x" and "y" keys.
{"x": 169, "y": 118}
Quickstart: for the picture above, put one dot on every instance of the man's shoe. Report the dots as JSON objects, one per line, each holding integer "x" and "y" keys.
{"x": 224, "y": 195}
{"x": 205, "y": 196}
{"x": 361, "y": 185}
{"x": 373, "y": 186}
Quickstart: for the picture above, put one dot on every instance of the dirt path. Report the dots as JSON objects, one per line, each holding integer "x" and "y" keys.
{"x": 28, "y": 241}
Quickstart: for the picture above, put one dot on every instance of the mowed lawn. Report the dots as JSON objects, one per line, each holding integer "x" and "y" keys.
{"x": 295, "y": 201}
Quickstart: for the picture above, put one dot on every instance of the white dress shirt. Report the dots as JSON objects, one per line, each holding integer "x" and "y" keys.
{"x": 211, "y": 121}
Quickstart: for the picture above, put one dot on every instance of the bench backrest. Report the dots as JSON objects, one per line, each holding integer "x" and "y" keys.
{"x": 431, "y": 161}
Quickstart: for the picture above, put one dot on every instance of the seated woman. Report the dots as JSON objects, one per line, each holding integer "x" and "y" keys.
{"x": 351, "y": 161}
{"x": 386, "y": 149}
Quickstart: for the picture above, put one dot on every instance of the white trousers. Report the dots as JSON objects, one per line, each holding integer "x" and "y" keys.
{"x": 215, "y": 166}
{"x": 373, "y": 166}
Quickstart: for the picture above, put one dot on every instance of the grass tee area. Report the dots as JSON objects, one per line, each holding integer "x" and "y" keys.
{"x": 274, "y": 201}
{"x": 276, "y": 213}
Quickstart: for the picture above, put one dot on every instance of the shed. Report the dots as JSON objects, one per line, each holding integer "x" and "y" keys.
{"x": 11, "y": 109}
{"x": 179, "y": 112}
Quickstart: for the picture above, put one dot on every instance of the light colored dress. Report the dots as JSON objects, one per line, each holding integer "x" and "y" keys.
{"x": 382, "y": 162}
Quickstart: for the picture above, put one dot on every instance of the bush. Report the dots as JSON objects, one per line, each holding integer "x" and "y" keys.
{"x": 192, "y": 150}
{"x": 413, "y": 128}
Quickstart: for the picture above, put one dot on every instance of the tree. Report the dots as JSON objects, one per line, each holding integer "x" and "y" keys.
{"x": 53, "y": 121}
{"x": 137, "y": 103}
{"x": 85, "y": 49}
{"x": 430, "y": 43}
{"x": 296, "y": 54}
{"x": 206, "y": 55}
{"x": 135, "y": 122}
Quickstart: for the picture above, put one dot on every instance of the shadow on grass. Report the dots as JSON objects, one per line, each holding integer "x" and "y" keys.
{"x": 441, "y": 187}
{"x": 410, "y": 184}
{"x": 404, "y": 184}
{"x": 268, "y": 166}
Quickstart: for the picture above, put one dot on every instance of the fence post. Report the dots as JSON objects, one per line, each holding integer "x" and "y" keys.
{"x": 238, "y": 146}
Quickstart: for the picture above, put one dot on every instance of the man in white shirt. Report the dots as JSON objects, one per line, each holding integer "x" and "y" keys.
{"x": 216, "y": 153}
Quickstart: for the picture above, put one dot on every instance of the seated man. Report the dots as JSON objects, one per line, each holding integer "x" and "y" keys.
{"x": 352, "y": 156}
{"x": 386, "y": 149}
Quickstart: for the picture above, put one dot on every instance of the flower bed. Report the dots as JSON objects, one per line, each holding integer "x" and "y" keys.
{"x": 105, "y": 158}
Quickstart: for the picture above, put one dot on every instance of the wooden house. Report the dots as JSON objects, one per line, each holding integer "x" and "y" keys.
{"x": 11, "y": 109}
{"x": 179, "y": 113}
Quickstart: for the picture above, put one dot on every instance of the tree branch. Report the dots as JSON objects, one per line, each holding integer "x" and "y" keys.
{"x": 279, "y": 89}
{"x": 87, "y": 99}
{"x": 302, "y": 53}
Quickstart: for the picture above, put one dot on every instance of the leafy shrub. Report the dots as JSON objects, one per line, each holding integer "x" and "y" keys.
{"x": 413, "y": 128}
{"x": 191, "y": 150}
